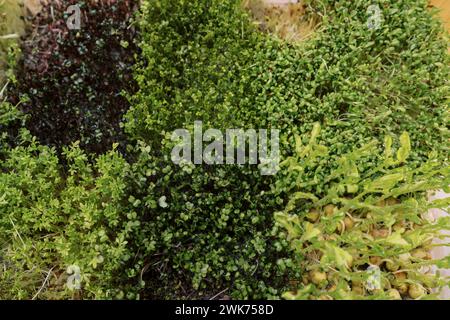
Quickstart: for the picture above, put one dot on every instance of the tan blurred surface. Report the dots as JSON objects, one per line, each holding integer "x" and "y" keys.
{"x": 444, "y": 13}
{"x": 34, "y": 6}
{"x": 444, "y": 6}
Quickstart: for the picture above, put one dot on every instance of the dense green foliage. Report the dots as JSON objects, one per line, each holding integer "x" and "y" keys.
{"x": 213, "y": 233}
{"x": 203, "y": 61}
{"x": 141, "y": 226}
{"x": 51, "y": 220}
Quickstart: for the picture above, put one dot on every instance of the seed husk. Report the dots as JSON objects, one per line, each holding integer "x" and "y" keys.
{"x": 380, "y": 233}
{"x": 329, "y": 209}
{"x": 332, "y": 288}
{"x": 325, "y": 297}
{"x": 318, "y": 277}
{"x": 375, "y": 260}
{"x": 358, "y": 289}
{"x": 381, "y": 203}
{"x": 313, "y": 215}
{"x": 332, "y": 237}
{"x": 349, "y": 223}
{"x": 415, "y": 291}
{"x": 419, "y": 254}
{"x": 402, "y": 288}
{"x": 392, "y": 266}
{"x": 404, "y": 257}
{"x": 401, "y": 275}
{"x": 392, "y": 201}
{"x": 399, "y": 226}
{"x": 394, "y": 294}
